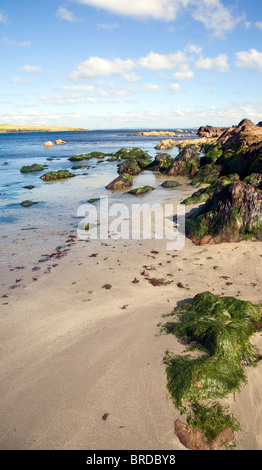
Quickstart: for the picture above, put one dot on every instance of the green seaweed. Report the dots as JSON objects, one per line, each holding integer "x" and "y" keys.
{"x": 56, "y": 175}
{"x": 32, "y": 168}
{"x": 217, "y": 330}
{"x": 141, "y": 191}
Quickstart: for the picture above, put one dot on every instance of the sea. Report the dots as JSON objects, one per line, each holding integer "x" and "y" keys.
{"x": 27, "y": 233}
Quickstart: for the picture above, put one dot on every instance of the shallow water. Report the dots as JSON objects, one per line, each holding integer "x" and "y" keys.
{"x": 26, "y": 233}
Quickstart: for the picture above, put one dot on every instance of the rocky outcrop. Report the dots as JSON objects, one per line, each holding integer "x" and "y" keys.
{"x": 232, "y": 214}
{"x": 165, "y": 144}
{"x": 60, "y": 142}
{"x": 210, "y": 131}
{"x": 245, "y": 133}
{"x": 186, "y": 163}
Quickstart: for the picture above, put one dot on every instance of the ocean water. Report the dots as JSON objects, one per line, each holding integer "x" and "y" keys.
{"x": 25, "y": 233}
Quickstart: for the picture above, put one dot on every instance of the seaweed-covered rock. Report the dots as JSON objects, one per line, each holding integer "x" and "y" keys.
{"x": 244, "y": 134}
{"x": 87, "y": 156}
{"x": 121, "y": 182}
{"x": 233, "y": 213}
{"x": 32, "y": 168}
{"x": 255, "y": 179}
{"x": 141, "y": 191}
{"x": 130, "y": 154}
{"x": 161, "y": 163}
{"x": 28, "y": 203}
{"x": 170, "y": 184}
{"x": 56, "y": 175}
{"x": 132, "y": 167}
{"x": 186, "y": 163}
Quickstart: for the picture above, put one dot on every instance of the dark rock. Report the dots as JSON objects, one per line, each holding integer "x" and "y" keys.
{"x": 186, "y": 163}
{"x": 233, "y": 213}
{"x": 32, "y": 168}
{"x": 28, "y": 203}
{"x": 210, "y": 131}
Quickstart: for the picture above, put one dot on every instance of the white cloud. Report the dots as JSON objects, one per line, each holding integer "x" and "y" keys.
{"x": 64, "y": 14}
{"x": 175, "y": 86}
{"x": 215, "y": 16}
{"x": 184, "y": 73}
{"x": 151, "y": 87}
{"x": 30, "y": 68}
{"x": 219, "y": 63}
{"x": 212, "y": 13}
{"x": 15, "y": 79}
{"x": 249, "y": 60}
{"x": 258, "y": 24}
{"x": 155, "y": 61}
{"x": 108, "y": 26}
{"x": 131, "y": 77}
{"x": 10, "y": 42}
{"x": 97, "y": 66}
{"x": 3, "y": 18}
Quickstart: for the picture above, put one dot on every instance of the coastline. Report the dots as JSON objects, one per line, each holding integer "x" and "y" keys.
{"x": 12, "y": 129}
{"x": 100, "y": 352}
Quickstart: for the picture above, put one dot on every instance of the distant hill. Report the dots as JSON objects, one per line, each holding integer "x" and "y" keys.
{"x": 9, "y": 128}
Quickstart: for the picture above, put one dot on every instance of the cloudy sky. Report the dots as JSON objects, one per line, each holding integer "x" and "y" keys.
{"x": 130, "y": 63}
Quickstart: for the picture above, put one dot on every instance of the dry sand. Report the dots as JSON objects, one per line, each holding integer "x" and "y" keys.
{"x": 73, "y": 351}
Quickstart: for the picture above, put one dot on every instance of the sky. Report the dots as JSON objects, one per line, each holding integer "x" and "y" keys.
{"x": 141, "y": 64}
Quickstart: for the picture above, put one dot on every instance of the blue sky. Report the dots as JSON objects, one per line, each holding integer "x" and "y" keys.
{"x": 143, "y": 64}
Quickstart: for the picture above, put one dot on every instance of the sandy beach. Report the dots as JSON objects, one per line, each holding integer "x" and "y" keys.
{"x": 82, "y": 357}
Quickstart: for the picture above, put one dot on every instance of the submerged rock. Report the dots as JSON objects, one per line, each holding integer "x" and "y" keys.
{"x": 30, "y": 186}
{"x": 28, "y": 203}
{"x": 56, "y": 175}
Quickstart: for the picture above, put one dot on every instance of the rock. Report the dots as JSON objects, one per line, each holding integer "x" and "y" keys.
{"x": 48, "y": 144}
{"x": 28, "y": 203}
{"x": 165, "y": 144}
{"x": 141, "y": 191}
{"x": 190, "y": 437}
{"x": 123, "y": 181}
{"x": 210, "y": 131}
{"x": 233, "y": 213}
{"x": 29, "y": 187}
{"x": 56, "y": 175}
{"x": 245, "y": 133}
{"x": 32, "y": 168}
{"x": 186, "y": 163}
{"x": 161, "y": 163}
{"x": 195, "y": 439}
{"x": 131, "y": 167}
{"x": 170, "y": 184}
{"x": 59, "y": 142}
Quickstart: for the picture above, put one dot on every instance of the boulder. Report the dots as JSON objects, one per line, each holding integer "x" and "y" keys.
{"x": 48, "y": 144}
{"x": 170, "y": 184}
{"x": 186, "y": 163}
{"x": 232, "y": 214}
{"x": 59, "y": 142}
{"x": 210, "y": 131}
{"x": 121, "y": 182}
